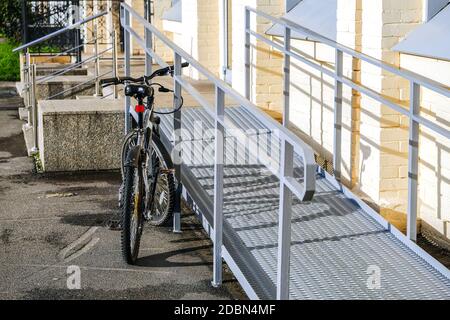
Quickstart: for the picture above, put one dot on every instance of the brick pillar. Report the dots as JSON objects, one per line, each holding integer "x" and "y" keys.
{"x": 200, "y": 34}
{"x": 349, "y": 34}
{"x": 266, "y": 77}
{"x": 383, "y": 132}
{"x": 160, "y": 48}
{"x": 138, "y": 6}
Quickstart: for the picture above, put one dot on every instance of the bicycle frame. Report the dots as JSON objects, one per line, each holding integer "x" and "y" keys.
{"x": 144, "y": 118}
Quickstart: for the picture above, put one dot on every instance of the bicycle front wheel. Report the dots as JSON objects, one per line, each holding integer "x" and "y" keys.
{"x": 161, "y": 179}
{"x": 132, "y": 213}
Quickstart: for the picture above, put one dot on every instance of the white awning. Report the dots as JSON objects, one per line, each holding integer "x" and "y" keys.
{"x": 432, "y": 39}
{"x": 318, "y": 16}
{"x": 174, "y": 12}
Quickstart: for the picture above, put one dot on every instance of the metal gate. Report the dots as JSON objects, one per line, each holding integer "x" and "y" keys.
{"x": 43, "y": 17}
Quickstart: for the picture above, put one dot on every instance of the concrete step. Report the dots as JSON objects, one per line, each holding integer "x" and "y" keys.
{"x": 42, "y": 71}
{"x": 58, "y": 84}
{"x": 23, "y": 114}
{"x": 28, "y": 136}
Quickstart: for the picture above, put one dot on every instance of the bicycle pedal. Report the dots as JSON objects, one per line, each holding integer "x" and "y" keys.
{"x": 114, "y": 225}
{"x": 167, "y": 171}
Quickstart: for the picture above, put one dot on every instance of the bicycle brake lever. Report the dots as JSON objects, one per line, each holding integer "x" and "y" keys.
{"x": 163, "y": 89}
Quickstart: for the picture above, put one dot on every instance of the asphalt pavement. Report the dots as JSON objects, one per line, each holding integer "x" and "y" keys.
{"x": 49, "y": 222}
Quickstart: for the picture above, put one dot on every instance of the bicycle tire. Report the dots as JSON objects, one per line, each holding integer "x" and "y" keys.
{"x": 167, "y": 184}
{"x": 130, "y": 248}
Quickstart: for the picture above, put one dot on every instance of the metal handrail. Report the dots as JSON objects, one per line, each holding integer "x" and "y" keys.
{"x": 300, "y": 146}
{"x": 79, "y": 85}
{"x": 416, "y": 82}
{"x": 73, "y": 66}
{"x": 407, "y": 74}
{"x": 290, "y": 142}
{"x": 58, "y": 32}
{"x": 29, "y": 71}
{"x": 92, "y": 41}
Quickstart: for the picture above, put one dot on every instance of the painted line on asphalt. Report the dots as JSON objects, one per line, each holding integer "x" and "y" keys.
{"x": 28, "y": 219}
{"x": 89, "y": 268}
{"x": 83, "y": 250}
{"x": 78, "y": 247}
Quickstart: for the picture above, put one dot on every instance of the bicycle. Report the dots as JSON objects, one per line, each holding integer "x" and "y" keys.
{"x": 148, "y": 183}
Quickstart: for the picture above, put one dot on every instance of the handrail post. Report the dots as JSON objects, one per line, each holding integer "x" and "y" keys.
{"x": 413, "y": 161}
{"x": 286, "y": 76}
{"x": 247, "y": 55}
{"x": 218, "y": 187}
{"x": 284, "y": 221}
{"x": 148, "y": 57}
{"x": 97, "y": 60}
{"x": 114, "y": 60}
{"x": 337, "y": 143}
{"x": 127, "y": 70}
{"x": 34, "y": 109}
{"x": 177, "y": 144}
{"x": 27, "y": 85}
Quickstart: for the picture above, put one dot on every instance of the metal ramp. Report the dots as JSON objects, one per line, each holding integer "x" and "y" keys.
{"x": 286, "y": 229}
{"x": 334, "y": 239}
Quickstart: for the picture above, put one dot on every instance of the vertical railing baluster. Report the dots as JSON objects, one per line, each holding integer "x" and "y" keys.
{"x": 114, "y": 60}
{"x": 413, "y": 161}
{"x": 148, "y": 57}
{"x": 218, "y": 187}
{"x": 286, "y": 75}
{"x": 34, "y": 106}
{"x": 127, "y": 50}
{"x": 284, "y": 221}
{"x": 337, "y": 139}
{"x": 247, "y": 54}
{"x": 97, "y": 59}
{"x": 28, "y": 87}
{"x": 177, "y": 144}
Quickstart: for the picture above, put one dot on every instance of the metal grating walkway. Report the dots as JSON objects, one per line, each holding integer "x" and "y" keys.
{"x": 334, "y": 241}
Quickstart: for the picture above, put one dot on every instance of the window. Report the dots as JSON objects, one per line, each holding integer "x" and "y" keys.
{"x": 174, "y": 12}
{"x": 318, "y": 16}
{"x": 430, "y": 39}
{"x": 290, "y": 4}
{"x": 432, "y": 7}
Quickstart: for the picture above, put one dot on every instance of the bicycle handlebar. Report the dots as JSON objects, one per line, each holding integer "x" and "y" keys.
{"x": 158, "y": 73}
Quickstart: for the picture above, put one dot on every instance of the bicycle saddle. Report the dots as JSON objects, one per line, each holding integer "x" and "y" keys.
{"x": 138, "y": 90}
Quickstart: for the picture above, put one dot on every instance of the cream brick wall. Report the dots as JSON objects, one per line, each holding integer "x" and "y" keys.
{"x": 159, "y": 8}
{"x": 384, "y": 132}
{"x": 200, "y": 34}
{"x": 137, "y": 5}
{"x": 208, "y": 35}
{"x": 266, "y": 72}
{"x": 160, "y": 48}
{"x": 238, "y": 38}
{"x": 312, "y": 93}
{"x": 375, "y": 138}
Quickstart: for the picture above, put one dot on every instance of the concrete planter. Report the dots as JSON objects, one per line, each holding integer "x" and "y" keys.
{"x": 80, "y": 134}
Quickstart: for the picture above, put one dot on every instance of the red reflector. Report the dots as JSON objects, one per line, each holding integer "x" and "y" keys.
{"x": 139, "y": 108}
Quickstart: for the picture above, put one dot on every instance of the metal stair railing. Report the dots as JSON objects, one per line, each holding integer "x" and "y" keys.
{"x": 416, "y": 82}
{"x": 290, "y": 142}
{"x": 30, "y": 79}
{"x": 60, "y": 31}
